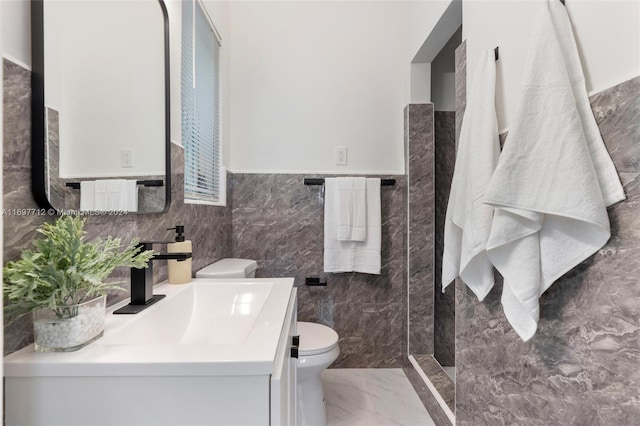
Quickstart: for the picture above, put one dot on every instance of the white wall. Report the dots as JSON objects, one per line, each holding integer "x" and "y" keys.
{"x": 607, "y": 33}
{"x": 443, "y": 75}
{"x": 309, "y": 76}
{"x": 420, "y": 83}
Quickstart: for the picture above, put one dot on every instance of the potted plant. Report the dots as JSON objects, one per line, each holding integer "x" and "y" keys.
{"x": 63, "y": 282}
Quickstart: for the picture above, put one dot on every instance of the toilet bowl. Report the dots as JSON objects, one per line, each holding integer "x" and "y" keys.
{"x": 317, "y": 350}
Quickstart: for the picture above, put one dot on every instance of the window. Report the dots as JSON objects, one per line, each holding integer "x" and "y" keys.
{"x": 204, "y": 179}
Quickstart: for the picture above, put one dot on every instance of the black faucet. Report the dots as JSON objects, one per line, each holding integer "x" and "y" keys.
{"x": 142, "y": 280}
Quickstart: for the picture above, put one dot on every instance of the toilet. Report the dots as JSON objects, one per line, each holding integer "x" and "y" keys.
{"x": 229, "y": 268}
{"x": 317, "y": 350}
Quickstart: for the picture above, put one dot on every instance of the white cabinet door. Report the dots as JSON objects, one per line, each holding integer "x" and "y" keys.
{"x": 283, "y": 380}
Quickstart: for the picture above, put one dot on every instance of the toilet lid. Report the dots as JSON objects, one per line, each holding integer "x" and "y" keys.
{"x": 315, "y": 338}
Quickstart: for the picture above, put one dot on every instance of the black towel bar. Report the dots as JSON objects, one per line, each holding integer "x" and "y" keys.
{"x": 152, "y": 182}
{"x": 320, "y": 181}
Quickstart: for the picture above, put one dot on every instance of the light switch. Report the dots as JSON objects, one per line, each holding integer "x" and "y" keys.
{"x": 341, "y": 155}
{"x": 126, "y": 158}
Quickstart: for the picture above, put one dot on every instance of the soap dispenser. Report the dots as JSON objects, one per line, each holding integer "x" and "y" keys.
{"x": 179, "y": 271}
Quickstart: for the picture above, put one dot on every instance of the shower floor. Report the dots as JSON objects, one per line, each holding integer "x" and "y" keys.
{"x": 372, "y": 397}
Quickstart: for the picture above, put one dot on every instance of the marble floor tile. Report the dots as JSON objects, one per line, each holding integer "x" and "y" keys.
{"x": 372, "y": 397}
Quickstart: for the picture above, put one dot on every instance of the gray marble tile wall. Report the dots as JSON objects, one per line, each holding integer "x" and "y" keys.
{"x": 208, "y": 227}
{"x": 419, "y": 122}
{"x": 278, "y": 221}
{"x": 581, "y": 368}
{"x": 55, "y": 190}
{"x": 443, "y": 303}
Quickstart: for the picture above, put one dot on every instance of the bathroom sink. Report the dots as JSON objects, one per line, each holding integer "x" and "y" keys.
{"x": 206, "y": 327}
{"x": 213, "y": 351}
{"x": 205, "y": 313}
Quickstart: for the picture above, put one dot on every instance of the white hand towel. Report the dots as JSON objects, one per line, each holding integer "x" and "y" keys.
{"x": 468, "y": 220}
{"x": 352, "y": 209}
{"x": 87, "y": 195}
{"x": 116, "y": 195}
{"x": 352, "y": 256}
{"x": 130, "y": 196}
{"x": 554, "y": 178}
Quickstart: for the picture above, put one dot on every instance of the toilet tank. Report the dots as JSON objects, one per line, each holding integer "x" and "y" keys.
{"x": 229, "y": 268}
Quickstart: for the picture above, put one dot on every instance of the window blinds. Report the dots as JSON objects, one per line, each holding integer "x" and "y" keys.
{"x": 200, "y": 105}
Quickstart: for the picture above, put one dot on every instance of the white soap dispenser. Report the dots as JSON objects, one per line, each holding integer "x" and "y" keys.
{"x": 179, "y": 271}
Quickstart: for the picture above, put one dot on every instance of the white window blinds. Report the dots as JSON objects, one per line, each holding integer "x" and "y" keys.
{"x": 200, "y": 105}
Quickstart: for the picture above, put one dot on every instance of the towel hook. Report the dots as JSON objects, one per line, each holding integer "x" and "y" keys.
{"x": 496, "y": 52}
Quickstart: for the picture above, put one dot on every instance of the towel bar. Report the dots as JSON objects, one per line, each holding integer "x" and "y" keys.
{"x": 320, "y": 181}
{"x": 153, "y": 182}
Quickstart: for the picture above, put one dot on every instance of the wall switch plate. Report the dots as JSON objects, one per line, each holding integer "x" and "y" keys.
{"x": 341, "y": 155}
{"x": 126, "y": 158}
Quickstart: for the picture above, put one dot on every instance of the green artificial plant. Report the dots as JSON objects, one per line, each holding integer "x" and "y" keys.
{"x": 64, "y": 269}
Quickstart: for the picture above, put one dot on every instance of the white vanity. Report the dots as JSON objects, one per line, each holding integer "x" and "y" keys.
{"x": 214, "y": 352}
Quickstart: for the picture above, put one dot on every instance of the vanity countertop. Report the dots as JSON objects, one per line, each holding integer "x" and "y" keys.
{"x": 207, "y": 327}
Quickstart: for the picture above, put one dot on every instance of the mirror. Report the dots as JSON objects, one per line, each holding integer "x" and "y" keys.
{"x": 100, "y": 108}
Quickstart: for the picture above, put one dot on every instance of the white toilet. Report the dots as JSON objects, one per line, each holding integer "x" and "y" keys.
{"x": 229, "y": 268}
{"x": 317, "y": 350}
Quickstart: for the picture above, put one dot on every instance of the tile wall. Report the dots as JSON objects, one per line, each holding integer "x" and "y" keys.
{"x": 443, "y": 303}
{"x": 278, "y": 221}
{"x": 581, "y": 368}
{"x": 419, "y": 139}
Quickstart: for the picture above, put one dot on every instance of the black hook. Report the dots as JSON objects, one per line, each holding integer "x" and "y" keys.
{"x": 496, "y": 52}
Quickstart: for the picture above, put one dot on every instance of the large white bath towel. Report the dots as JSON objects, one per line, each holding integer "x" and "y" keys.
{"x": 554, "y": 178}
{"x": 352, "y": 209}
{"x": 468, "y": 220}
{"x": 352, "y": 256}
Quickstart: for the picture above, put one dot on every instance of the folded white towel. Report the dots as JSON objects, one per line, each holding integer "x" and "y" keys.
{"x": 352, "y": 256}
{"x": 554, "y": 178}
{"x": 87, "y": 195}
{"x": 468, "y": 220}
{"x": 116, "y": 195}
{"x": 352, "y": 209}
